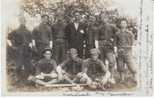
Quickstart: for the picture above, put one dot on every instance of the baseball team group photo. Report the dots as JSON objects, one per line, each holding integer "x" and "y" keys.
{"x": 77, "y": 45}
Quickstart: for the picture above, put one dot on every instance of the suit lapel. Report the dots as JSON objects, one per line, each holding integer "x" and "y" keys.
{"x": 76, "y": 29}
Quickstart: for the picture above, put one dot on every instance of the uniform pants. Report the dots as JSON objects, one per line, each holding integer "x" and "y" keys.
{"x": 108, "y": 54}
{"x": 59, "y": 51}
{"x": 23, "y": 62}
{"x": 125, "y": 57}
{"x": 47, "y": 79}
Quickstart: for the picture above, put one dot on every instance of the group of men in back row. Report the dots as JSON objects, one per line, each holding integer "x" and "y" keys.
{"x": 73, "y": 53}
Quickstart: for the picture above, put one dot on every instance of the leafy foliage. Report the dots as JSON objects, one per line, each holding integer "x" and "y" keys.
{"x": 65, "y": 9}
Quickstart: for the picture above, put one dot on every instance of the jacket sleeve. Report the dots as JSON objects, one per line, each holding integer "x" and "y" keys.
{"x": 85, "y": 66}
{"x": 115, "y": 30}
{"x": 67, "y": 35}
{"x": 54, "y": 64}
{"x": 51, "y": 34}
{"x": 12, "y": 37}
{"x": 97, "y": 34}
{"x": 35, "y": 34}
{"x": 29, "y": 36}
{"x": 104, "y": 69}
{"x": 37, "y": 68}
{"x": 116, "y": 38}
{"x": 131, "y": 38}
{"x": 63, "y": 64}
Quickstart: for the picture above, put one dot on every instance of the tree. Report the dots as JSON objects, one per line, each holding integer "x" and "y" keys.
{"x": 66, "y": 8}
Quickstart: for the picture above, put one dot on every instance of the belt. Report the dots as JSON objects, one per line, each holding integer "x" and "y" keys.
{"x": 59, "y": 40}
{"x": 102, "y": 40}
{"x": 124, "y": 47}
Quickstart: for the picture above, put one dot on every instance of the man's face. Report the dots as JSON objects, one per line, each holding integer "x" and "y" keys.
{"x": 92, "y": 20}
{"x": 44, "y": 19}
{"x": 106, "y": 19}
{"x": 73, "y": 55}
{"x": 94, "y": 57}
{"x": 77, "y": 17}
{"x": 60, "y": 20}
{"x": 22, "y": 21}
{"x": 47, "y": 55}
{"x": 123, "y": 24}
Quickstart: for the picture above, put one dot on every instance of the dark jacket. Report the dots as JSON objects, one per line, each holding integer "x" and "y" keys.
{"x": 92, "y": 31}
{"x": 74, "y": 37}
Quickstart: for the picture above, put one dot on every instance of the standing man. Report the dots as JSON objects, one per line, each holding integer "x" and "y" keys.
{"x": 20, "y": 41}
{"x": 124, "y": 43}
{"x": 105, "y": 42}
{"x": 59, "y": 44}
{"x": 76, "y": 35}
{"x": 42, "y": 35}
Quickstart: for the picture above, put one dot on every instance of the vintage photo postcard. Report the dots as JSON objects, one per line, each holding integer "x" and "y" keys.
{"x": 77, "y": 47}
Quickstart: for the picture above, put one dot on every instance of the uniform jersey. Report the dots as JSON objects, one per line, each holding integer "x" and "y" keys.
{"x": 59, "y": 31}
{"x": 21, "y": 36}
{"x": 42, "y": 34}
{"x": 46, "y": 66}
{"x": 72, "y": 66}
{"x": 106, "y": 35}
{"x": 93, "y": 68}
{"x": 106, "y": 32}
{"x": 124, "y": 38}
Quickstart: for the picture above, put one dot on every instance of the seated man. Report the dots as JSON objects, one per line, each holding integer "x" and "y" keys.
{"x": 70, "y": 67}
{"x": 45, "y": 70}
{"x": 95, "y": 73}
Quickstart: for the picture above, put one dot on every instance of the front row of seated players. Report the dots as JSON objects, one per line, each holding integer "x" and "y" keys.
{"x": 73, "y": 70}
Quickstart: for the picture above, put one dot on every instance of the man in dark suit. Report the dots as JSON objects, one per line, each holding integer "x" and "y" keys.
{"x": 76, "y": 35}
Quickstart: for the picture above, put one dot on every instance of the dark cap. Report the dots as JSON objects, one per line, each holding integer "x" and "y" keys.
{"x": 47, "y": 49}
{"x": 44, "y": 15}
{"x": 76, "y": 12}
{"x": 94, "y": 51}
{"x": 72, "y": 51}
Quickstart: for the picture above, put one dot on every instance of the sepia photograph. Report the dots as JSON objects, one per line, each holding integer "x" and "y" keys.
{"x": 77, "y": 47}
